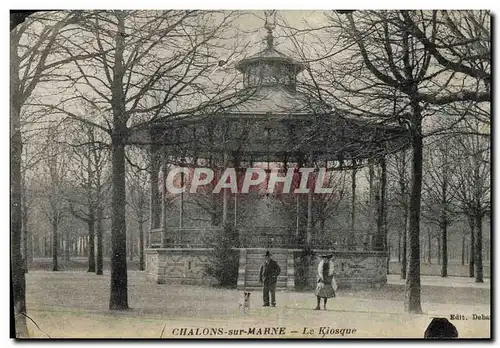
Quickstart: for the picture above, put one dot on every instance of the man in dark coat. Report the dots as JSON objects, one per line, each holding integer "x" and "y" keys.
{"x": 269, "y": 272}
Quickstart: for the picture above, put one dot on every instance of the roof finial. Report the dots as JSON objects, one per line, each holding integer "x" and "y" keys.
{"x": 270, "y": 26}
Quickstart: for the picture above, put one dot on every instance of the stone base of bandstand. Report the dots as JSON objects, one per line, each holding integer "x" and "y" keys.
{"x": 178, "y": 265}
{"x": 353, "y": 269}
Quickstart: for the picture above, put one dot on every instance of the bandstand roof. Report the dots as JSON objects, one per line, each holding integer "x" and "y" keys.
{"x": 275, "y": 100}
{"x": 269, "y": 54}
{"x": 269, "y": 120}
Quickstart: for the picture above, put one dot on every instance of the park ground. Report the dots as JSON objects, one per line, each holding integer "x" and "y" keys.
{"x": 74, "y": 303}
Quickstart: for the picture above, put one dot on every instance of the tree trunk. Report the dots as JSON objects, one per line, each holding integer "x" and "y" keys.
{"x": 405, "y": 250}
{"x": 353, "y": 201}
{"x": 467, "y": 253}
{"x": 118, "y": 298}
{"x": 131, "y": 248}
{"x": 369, "y": 235}
{"x": 85, "y": 245}
{"x": 99, "y": 261}
{"x": 141, "y": 245}
{"x": 380, "y": 240}
{"x": 45, "y": 248}
{"x": 31, "y": 249}
{"x": 444, "y": 218}
{"x": 55, "y": 245}
{"x": 402, "y": 185}
{"x": 463, "y": 250}
{"x": 444, "y": 245}
{"x": 61, "y": 244}
{"x": 25, "y": 242}
{"x": 399, "y": 245}
{"x": 429, "y": 247}
{"x": 118, "y": 294}
{"x": 383, "y": 203}
{"x": 91, "y": 245}
{"x": 388, "y": 257}
{"x": 155, "y": 202}
{"x": 17, "y": 265}
{"x": 25, "y": 234}
{"x": 478, "y": 252}
{"x": 472, "y": 246}
{"x": 412, "y": 286}
{"x": 67, "y": 245}
{"x": 439, "y": 249}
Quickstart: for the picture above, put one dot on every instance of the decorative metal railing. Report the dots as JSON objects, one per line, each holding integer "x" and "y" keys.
{"x": 267, "y": 237}
{"x": 184, "y": 237}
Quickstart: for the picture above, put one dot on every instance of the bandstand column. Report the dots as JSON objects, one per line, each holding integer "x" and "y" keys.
{"x": 297, "y": 215}
{"x": 154, "y": 206}
{"x": 235, "y": 209}
{"x": 309, "y": 208}
{"x": 298, "y": 212}
{"x": 164, "y": 169}
{"x": 225, "y": 195}
{"x": 383, "y": 203}
{"x": 181, "y": 204}
{"x": 369, "y": 235}
{"x": 309, "y": 216}
{"x": 351, "y": 239}
{"x": 380, "y": 238}
{"x": 237, "y": 166}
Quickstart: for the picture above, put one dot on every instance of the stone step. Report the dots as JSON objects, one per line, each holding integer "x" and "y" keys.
{"x": 260, "y": 257}
{"x": 255, "y": 277}
{"x": 250, "y": 270}
{"x": 253, "y": 262}
{"x": 262, "y": 253}
{"x": 259, "y": 289}
{"x": 256, "y": 268}
{"x": 261, "y": 260}
{"x": 257, "y": 284}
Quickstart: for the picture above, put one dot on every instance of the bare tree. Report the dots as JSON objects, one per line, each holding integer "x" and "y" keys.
{"x": 463, "y": 48}
{"x": 399, "y": 176}
{"x": 382, "y": 70}
{"x": 31, "y": 43}
{"x": 472, "y": 184}
{"x": 325, "y": 205}
{"x": 379, "y": 76}
{"x": 53, "y": 181}
{"x": 151, "y": 65}
{"x": 90, "y": 171}
{"x": 437, "y": 195}
{"x": 30, "y": 160}
{"x": 138, "y": 198}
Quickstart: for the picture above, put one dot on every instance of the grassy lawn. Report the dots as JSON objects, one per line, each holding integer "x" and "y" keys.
{"x": 75, "y": 304}
{"x": 455, "y": 269}
{"x": 77, "y": 264}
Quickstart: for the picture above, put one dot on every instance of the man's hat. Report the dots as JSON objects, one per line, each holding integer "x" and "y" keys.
{"x": 268, "y": 253}
{"x": 328, "y": 256}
